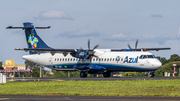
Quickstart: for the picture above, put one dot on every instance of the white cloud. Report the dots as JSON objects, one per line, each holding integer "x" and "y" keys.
{"x": 83, "y": 32}
{"x": 161, "y": 39}
{"x": 53, "y": 14}
{"x": 156, "y": 16}
{"x": 118, "y": 37}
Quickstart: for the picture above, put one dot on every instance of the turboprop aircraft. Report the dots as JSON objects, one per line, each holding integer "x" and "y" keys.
{"x": 92, "y": 61}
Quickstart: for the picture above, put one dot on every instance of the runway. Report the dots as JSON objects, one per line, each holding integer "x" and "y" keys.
{"x": 82, "y": 98}
{"x": 29, "y": 79}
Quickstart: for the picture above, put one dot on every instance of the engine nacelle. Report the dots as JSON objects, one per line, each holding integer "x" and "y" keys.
{"x": 81, "y": 54}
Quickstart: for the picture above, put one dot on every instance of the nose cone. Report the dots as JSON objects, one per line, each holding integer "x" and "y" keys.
{"x": 157, "y": 64}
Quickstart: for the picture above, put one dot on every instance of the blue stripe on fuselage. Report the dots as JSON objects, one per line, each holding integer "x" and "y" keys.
{"x": 107, "y": 66}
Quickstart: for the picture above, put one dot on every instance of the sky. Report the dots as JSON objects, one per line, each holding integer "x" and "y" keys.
{"x": 110, "y": 23}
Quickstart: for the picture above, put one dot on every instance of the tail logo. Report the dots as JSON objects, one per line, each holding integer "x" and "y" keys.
{"x": 33, "y": 41}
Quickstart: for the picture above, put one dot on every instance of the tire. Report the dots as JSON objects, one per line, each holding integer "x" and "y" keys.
{"x": 151, "y": 75}
{"x": 83, "y": 74}
{"x": 107, "y": 74}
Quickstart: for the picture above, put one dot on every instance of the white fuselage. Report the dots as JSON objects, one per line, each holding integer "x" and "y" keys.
{"x": 114, "y": 61}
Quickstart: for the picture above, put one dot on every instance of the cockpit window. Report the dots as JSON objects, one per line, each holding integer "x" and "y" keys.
{"x": 141, "y": 57}
{"x": 146, "y": 56}
{"x": 150, "y": 56}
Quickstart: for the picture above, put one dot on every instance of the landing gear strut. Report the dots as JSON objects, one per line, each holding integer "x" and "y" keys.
{"x": 83, "y": 74}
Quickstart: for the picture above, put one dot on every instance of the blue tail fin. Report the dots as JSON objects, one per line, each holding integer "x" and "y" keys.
{"x": 33, "y": 40}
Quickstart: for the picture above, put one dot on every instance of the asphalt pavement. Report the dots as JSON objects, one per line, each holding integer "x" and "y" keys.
{"x": 29, "y": 79}
{"x": 82, "y": 98}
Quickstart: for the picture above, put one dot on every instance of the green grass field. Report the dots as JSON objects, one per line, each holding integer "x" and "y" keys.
{"x": 100, "y": 88}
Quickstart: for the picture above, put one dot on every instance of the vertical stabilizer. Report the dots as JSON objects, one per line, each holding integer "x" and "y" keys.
{"x": 32, "y": 39}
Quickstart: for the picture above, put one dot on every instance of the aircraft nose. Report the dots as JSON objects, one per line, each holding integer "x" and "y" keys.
{"x": 157, "y": 64}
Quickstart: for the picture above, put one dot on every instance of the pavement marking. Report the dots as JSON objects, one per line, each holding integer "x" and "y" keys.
{"x": 4, "y": 98}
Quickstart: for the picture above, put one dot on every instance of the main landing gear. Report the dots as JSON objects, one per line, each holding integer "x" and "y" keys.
{"x": 107, "y": 74}
{"x": 83, "y": 74}
{"x": 151, "y": 74}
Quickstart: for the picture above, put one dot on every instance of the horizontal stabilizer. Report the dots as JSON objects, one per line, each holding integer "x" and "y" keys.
{"x": 46, "y": 50}
{"x": 11, "y": 27}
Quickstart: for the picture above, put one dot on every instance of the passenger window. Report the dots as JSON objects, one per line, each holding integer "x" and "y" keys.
{"x": 110, "y": 59}
{"x": 68, "y": 59}
{"x": 60, "y": 59}
{"x": 71, "y": 59}
{"x": 74, "y": 59}
{"x": 65, "y": 59}
{"x": 102, "y": 59}
{"x": 107, "y": 59}
{"x": 113, "y": 59}
{"x": 94, "y": 59}
{"x": 55, "y": 59}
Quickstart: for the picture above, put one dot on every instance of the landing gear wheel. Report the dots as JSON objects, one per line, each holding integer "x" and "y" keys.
{"x": 108, "y": 74}
{"x": 83, "y": 74}
{"x": 151, "y": 75}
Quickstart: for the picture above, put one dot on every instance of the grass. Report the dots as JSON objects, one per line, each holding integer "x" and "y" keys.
{"x": 98, "y": 88}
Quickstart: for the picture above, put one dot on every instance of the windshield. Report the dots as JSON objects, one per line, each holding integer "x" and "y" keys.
{"x": 146, "y": 56}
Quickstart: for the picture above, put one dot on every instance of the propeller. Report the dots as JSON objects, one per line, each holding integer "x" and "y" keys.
{"x": 90, "y": 53}
{"x": 135, "y": 45}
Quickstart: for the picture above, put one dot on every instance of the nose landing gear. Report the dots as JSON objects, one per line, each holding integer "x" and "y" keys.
{"x": 151, "y": 74}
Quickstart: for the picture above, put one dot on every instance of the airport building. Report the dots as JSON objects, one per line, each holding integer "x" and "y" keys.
{"x": 10, "y": 64}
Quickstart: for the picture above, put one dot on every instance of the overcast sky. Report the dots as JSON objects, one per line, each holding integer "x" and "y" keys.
{"x": 109, "y": 23}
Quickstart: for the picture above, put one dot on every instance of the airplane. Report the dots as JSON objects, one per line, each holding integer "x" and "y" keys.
{"x": 88, "y": 61}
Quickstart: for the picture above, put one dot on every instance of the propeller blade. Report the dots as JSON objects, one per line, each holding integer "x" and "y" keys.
{"x": 96, "y": 46}
{"x": 90, "y": 58}
{"x": 129, "y": 46}
{"x": 136, "y": 44}
{"x": 89, "y": 44}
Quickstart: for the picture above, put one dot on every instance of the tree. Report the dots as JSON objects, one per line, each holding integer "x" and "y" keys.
{"x": 30, "y": 65}
{"x": 174, "y": 57}
{"x": 1, "y": 68}
{"x": 35, "y": 72}
{"x": 168, "y": 67}
{"x": 163, "y": 60}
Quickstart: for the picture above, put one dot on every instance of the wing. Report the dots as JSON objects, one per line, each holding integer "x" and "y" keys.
{"x": 49, "y": 50}
{"x": 141, "y": 49}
